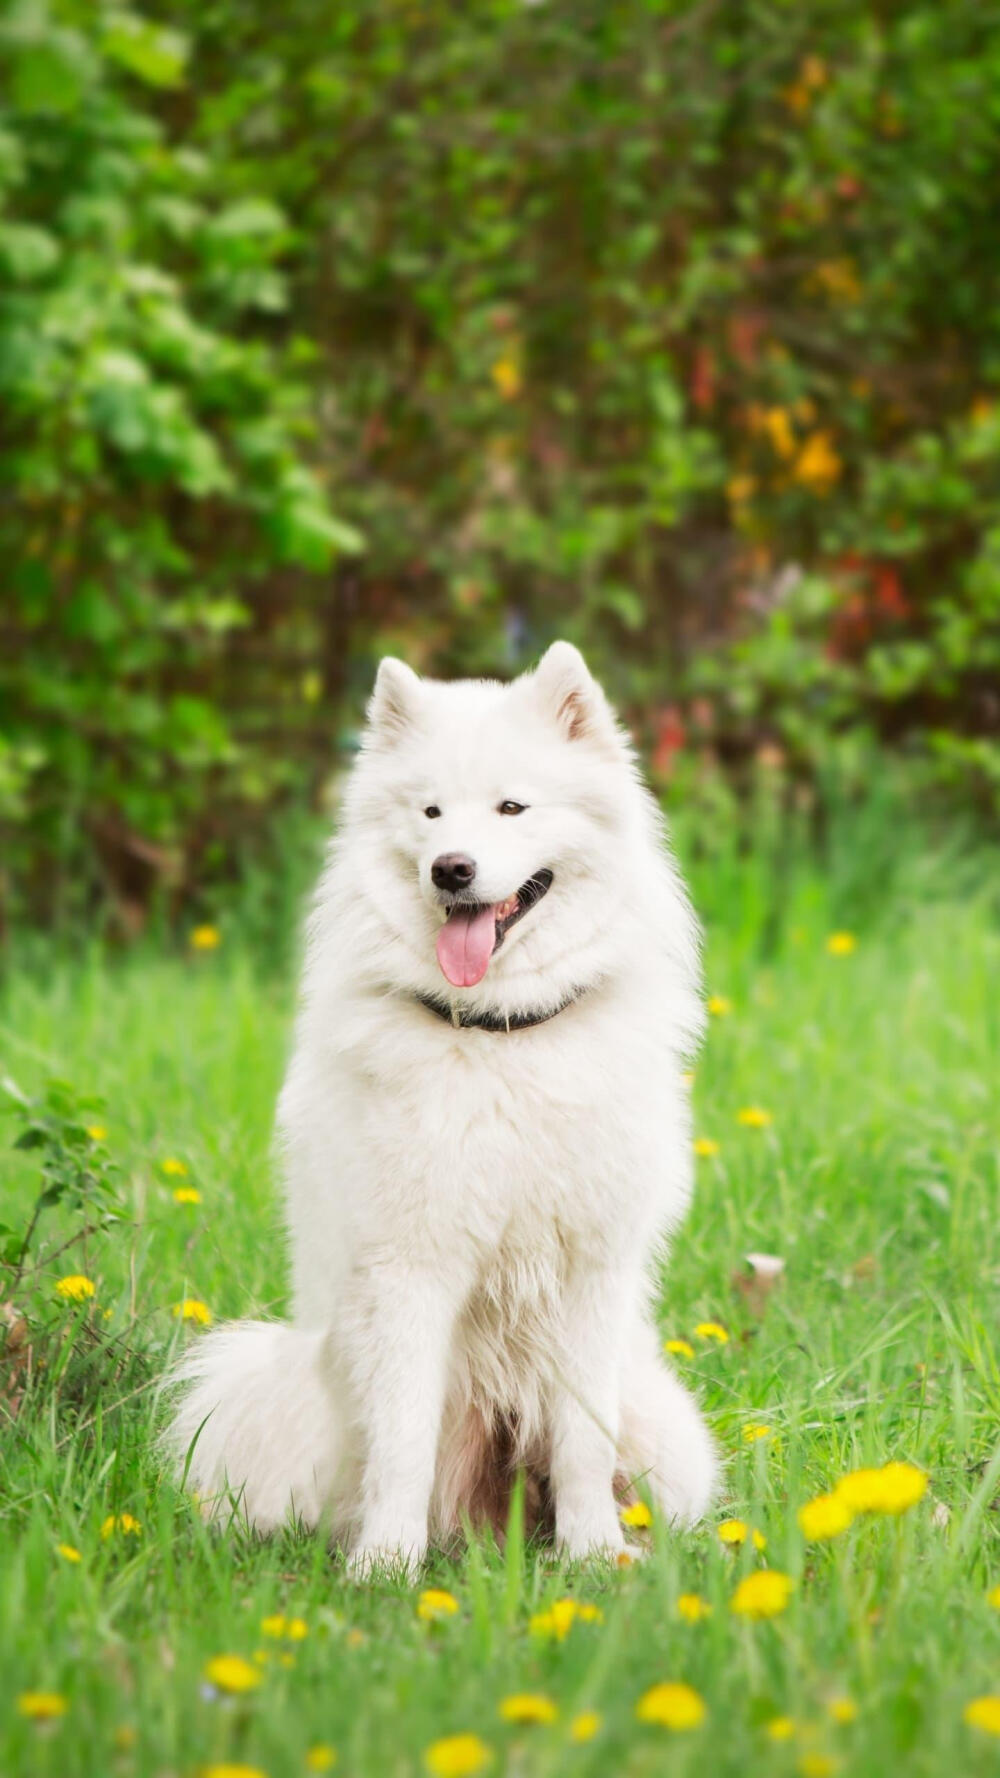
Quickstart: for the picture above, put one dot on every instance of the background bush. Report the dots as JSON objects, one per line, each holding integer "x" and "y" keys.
{"x": 668, "y": 325}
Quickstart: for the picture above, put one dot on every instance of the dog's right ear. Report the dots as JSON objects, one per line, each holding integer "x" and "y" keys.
{"x": 395, "y": 700}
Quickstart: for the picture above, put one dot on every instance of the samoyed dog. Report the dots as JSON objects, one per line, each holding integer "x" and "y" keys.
{"x": 486, "y": 1143}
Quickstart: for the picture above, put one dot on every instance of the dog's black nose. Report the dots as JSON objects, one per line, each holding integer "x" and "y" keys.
{"x": 453, "y": 870}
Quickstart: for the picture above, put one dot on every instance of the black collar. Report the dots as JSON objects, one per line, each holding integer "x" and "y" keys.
{"x": 491, "y": 1021}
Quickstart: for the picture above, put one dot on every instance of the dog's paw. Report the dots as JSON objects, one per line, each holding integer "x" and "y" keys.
{"x": 396, "y": 1556}
{"x": 589, "y": 1537}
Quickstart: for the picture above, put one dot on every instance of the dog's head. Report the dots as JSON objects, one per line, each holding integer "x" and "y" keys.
{"x": 508, "y": 817}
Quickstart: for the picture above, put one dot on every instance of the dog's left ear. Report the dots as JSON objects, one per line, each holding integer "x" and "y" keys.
{"x": 395, "y": 699}
{"x": 563, "y": 682}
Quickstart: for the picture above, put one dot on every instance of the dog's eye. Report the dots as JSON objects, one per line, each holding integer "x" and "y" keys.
{"x": 432, "y": 811}
{"x": 511, "y": 808}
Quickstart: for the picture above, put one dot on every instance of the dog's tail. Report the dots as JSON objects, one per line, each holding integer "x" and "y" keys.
{"x": 255, "y": 1430}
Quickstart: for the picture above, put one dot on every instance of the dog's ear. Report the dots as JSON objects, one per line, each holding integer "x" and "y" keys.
{"x": 395, "y": 700}
{"x": 563, "y": 683}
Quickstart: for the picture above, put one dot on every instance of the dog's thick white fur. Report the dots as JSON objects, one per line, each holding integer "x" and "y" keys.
{"x": 475, "y": 1215}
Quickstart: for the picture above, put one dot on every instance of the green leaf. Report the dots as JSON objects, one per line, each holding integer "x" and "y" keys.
{"x": 151, "y": 52}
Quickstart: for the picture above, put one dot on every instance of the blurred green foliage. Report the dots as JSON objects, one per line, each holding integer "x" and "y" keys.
{"x": 670, "y": 325}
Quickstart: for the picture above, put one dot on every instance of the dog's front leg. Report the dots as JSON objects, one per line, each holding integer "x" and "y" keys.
{"x": 585, "y": 1413}
{"x": 397, "y": 1338}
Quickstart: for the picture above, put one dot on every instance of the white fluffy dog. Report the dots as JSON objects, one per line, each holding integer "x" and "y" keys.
{"x": 486, "y": 1140}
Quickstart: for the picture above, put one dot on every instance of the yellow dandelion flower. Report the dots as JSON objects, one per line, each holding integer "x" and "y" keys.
{"x": 705, "y": 1147}
{"x": 75, "y": 1288}
{"x": 187, "y": 1194}
{"x": 842, "y": 1710}
{"x": 754, "y": 1117}
{"x": 735, "y": 1531}
{"x": 228, "y": 1770}
{"x": 841, "y": 944}
{"x": 528, "y": 1707}
{"x": 692, "y": 1608}
{"x": 205, "y": 938}
{"x": 751, "y": 1434}
{"x": 231, "y": 1673}
{"x": 192, "y": 1310}
{"x": 560, "y": 1617}
{"x": 121, "y": 1523}
{"x": 817, "y": 466}
{"x": 321, "y": 1758}
{"x": 354, "y": 1639}
{"x": 435, "y": 1604}
{"x": 780, "y": 1728}
{"x": 637, "y": 1516}
{"x": 984, "y": 1713}
{"x": 679, "y": 1348}
{"x": 68, "y": 1552}
{"x": 624, "y": 1559}
{"x": 42, "y": 1706}
{"x": 585, "y": 1726}
{"x": 993, "y": 1598}
{"x": 284, "y": 1629}
{"x": 125, "y": 1737}
{"x": 817, "y": 1765}
{"x": 457, "y": 1756}
{"x": 174, "y": 1169}
{"x": 672, "y": 1705}
{"x": 826, "y": 1516}
{"x": 712, "y": 1330}
{"x": 764, "y": 1594}
{"x": 97, "y": 1132}
{"x": 718, "y": 1007}
{"x": 506, "y": 374}
{"x": 892, "y": 1489}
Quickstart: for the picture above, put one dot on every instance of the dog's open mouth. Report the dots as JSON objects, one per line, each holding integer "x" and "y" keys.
{"x": 475, "y": 930}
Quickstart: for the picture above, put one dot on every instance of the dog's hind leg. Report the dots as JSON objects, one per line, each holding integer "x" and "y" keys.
{"x": 257, "y": 1425}
{"x": 663, "y": 1443}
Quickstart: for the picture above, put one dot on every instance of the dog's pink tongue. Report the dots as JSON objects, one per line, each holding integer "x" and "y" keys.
{"x": 465, "y": 946}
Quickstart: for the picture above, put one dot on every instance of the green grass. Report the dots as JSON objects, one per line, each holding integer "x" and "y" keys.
{"x": 877, "y": 1183}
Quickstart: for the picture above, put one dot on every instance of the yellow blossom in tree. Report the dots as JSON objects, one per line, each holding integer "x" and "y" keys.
{"x": 205, "y": 938}
{"x": 740, "y": 489}
{"x": 680, "y": 1348}
{"x": 75, "y": 1288}
{"x": 585, "y": 1726}
{"x": 813, "y": 72}
{"x": 560, "y": 1617}
{"x": 763, "y": 1594}
{"x": 68, "y": 1552}
{"x": 186, "y": 1194}
{"x": 984, "y": 1713}
{"x": 122, "y": 1524}
{"x": 842, "y": 1710}
{"x": 705, "y": 1147}
{"x": 321, "y": 1758}
{"x": 672, "y": 1705}
{"x": 285, "y": 1629}
{"x": 839, "y": 280}
{"x": 435, "y": 1604}
{"x": 751, "y": 1434}
{"x": 754, "y": 1117}
{"x": 993, "y": 1598}
{"x": 780, "y": 1728}
{"x": 506, "y": 374}
{"x": 712, "y": 1330}
{"x": 637, "y": 1516}
{"x": 692, "y": 1608}
{"x": 457, "y": 1756}
{"x": 42, "y": 1706}
{"x": 192, "y": 1310}
{"x": 97, "y": 1132}
{"x": 826, "y": 1516}
{"x": 231, "y": 1673}
{"x": 528, "y": 1707}
{"x": 779, "y": 430}
{"x": 174, "y": 1169}
{"x": 817, "y": 466}
{"x": 718, "y": 1007}
{"x": 735, "y": 1531}
{"x": 841, "y": 944}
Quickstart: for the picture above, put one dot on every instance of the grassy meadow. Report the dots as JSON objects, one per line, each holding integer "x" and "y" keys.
{"x": 872, "y": 1176}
